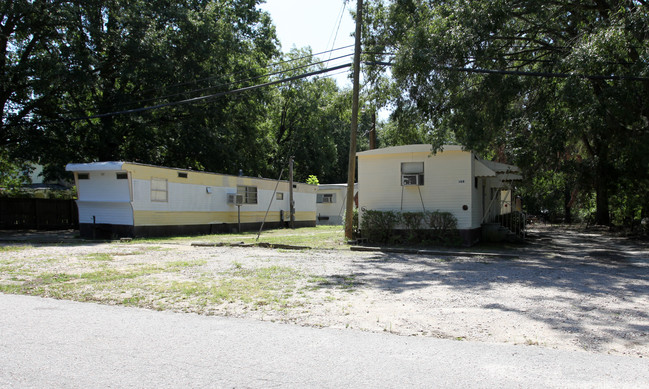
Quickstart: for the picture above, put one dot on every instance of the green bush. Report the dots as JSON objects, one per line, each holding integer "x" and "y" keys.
{"x": 432, "y": 227}
{"x": 378, "y": 226}
{"x": 414, "y": 223}
{"x": 441, "y": 221}
{"x": 443, "y": 227}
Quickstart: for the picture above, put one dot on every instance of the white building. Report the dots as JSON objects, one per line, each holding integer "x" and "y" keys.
{"x": 131, "y": 199}
{"x": 411, "y": 178}
{"x": 330, "y": 203}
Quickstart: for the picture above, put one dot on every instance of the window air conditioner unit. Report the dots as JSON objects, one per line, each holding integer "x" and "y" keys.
{"x": 234, "y": 198}
{"x": 412, "y": 179}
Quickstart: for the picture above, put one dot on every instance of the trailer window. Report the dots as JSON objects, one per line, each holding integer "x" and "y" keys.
{"x": 326, "y": 198}
{"x": 159, "y": 189}
{"x": 249, "y": 194}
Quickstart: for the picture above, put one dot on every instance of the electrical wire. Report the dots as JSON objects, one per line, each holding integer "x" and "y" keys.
{"x": 229, "y": 84}
{"x": 528, "y": 73}
{"x": 192, "y": 100}
{"x": 236, "y": 73}
{"x": 236, "y": 82}
{"x": 340, "y": 19}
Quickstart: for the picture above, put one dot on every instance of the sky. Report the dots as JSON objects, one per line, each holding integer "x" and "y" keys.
{"x": 301, "y": 23}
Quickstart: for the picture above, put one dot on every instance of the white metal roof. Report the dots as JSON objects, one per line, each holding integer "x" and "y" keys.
{"x": 94, "y": 166}
{"x": 418, "y": 148}
{"x": 333, "y": 186}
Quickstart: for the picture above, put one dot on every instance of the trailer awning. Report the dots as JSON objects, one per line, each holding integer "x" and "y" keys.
{"x": 482, "y": 170}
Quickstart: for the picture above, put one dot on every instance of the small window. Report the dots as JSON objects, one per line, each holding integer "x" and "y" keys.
{"x": 182, "y": 175}
{"x": 83, "y": 176}
{"x": 327, "y": 198}
{"x": 249, "y": 194}
{"x": 412, "y": 173}
{"x": 159, "y": 189}
{"x": 122, "y": 176}
{"x": 279, "y": 196}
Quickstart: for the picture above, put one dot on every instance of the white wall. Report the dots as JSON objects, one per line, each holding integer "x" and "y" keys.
{"x": 195, "y": 198}
{"x": 105, "y": 212}
{"x": 334, "y": 211}
{"x": 104, "y": 186}
{"x": 448, "y": 183}
{"x": 105, "y": 197}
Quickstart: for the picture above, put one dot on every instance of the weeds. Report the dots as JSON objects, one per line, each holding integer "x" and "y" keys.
{"x": 321, "y": 237}
{"x": 98, "y": 257}
{"x": 7, "y": 249}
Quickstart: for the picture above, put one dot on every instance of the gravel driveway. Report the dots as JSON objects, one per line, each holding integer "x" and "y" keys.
{"x": 566, "y": 290}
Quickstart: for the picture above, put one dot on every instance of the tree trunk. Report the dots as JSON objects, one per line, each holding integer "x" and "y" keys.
{"x": 567, "y": 196}
{"x": 602, "y": 216}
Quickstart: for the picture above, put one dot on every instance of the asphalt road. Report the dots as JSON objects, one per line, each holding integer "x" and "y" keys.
{"x": 48, "y": 343}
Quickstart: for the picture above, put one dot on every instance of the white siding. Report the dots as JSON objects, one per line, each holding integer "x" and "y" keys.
{"x": 334, "y": 211}
{"x": 195, "y": 198}
{"x": 190, "y": 198}
{"x": 105, "y": 213}
{"x": 104, "y": 186}
{"x": 447, "y": 183}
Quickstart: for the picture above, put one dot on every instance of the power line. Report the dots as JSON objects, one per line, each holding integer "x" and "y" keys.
{"x": 236, "y": 73}
{"x": 235, "y": 82}
{"x": 528, "y": 73}
{"x": 239, "y": 81}
{"x": 340, "y": 19}
{"x": 192, "y": 100}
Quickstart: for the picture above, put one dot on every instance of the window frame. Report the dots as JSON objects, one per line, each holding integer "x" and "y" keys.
{"x": 412, "y": 173}
{"x": 250, "y": 194}
{"x": 156, "y": 190}
{"x": 320, "y": 198}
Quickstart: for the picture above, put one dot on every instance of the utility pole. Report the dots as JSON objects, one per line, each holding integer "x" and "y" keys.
{"x": 290, "y": 196}
{"x": 351, "y": 172}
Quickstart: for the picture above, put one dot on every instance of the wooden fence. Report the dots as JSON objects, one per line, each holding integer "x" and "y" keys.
{"x": 38, "y": 214}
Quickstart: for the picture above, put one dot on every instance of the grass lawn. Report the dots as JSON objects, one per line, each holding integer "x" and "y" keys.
{"x": 321, "y": 237}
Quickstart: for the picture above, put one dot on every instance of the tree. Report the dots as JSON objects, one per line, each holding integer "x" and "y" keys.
{"x": 547, "y": 85}
{"x": 32, "y": 73}
{"x": 13, "y": 175}
{"x": 98, "y": 57}
{"x": 309, "y": 119}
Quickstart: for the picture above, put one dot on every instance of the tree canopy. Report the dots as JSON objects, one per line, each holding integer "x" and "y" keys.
{"x": 153, "y": 82}
{"x": 67, "y": 75}
{"x": 556, "y": 86}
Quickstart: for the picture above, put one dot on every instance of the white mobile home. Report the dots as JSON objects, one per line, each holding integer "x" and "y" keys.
{"x": 330, "y": 203}
{"x": 411, "y": 178}
{"x": 132, "y": 199}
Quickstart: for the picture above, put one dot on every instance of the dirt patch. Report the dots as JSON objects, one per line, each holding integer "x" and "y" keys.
{"x": 566, "y": 290}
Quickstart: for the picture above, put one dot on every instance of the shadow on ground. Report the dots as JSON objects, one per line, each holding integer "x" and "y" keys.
{"x": 589, "y": 286}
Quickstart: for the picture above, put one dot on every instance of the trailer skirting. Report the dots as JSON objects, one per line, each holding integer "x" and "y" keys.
{"x": 116, "y": 231}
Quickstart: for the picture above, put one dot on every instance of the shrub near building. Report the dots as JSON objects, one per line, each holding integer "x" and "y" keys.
{"x": 437, "y": 228}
